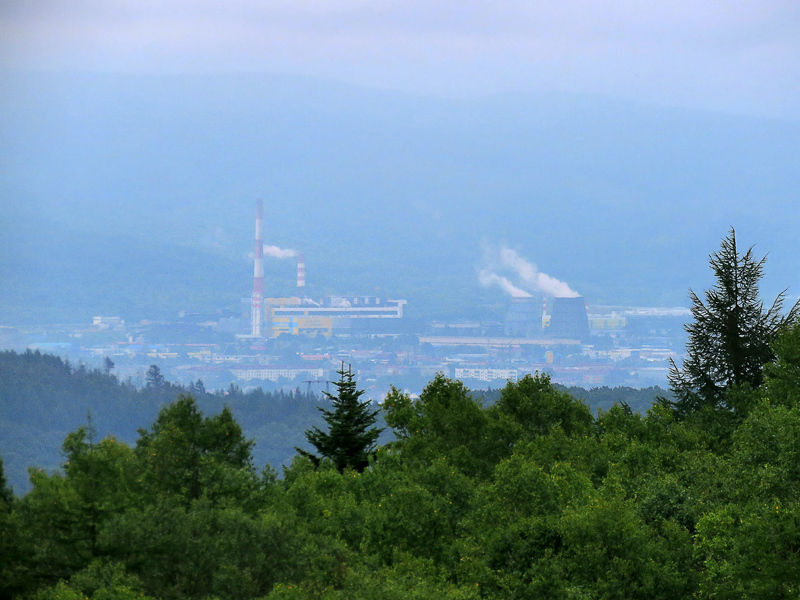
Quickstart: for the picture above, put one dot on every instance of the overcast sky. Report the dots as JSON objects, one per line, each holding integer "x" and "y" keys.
{"x": 741, "y": 56}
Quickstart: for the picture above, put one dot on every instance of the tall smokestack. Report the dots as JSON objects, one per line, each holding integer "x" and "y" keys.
{"x": 256, "y": 300}
{"x": 301, "y": 270}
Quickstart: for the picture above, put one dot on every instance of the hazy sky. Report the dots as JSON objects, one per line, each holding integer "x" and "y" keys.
{"x": 742, "y": 56}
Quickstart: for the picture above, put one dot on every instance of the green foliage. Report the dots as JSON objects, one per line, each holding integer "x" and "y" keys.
{"x": 9, "y": 533}
{"x": 101, "y": 580}
{"x": 750, "y": 551}
{"x": 407, "y": 578}
{"x": 43, "y": 398}
{"x": 154, "y": 377}
{"x": 444, "y": 422}
{"x": 766, "y": 455}
{"x": 58, "y": 534}
{"x": 604, "y": 397}
{"x": 782, "y": 376}
{"x": 351, "y": 436}
{"x": 203, "y": 550}
{"x": 6, "y": 493}
{"x": 534, "y": 406}
{"x": 729, "y": 340}
{"x": 69, "y": 521}
{"x": 414, "y": 510}
{"x": 530, "y": 497}
{"x": 187, "y": 455}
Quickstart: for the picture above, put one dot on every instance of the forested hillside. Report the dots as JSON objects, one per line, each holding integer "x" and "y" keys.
{"x": 43, "y": 398}
{"x": 530, "y": 497}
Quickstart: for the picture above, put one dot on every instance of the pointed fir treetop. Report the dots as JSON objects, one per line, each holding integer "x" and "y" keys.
{"x": 729, "y": 339}
{"x": 351, "y": 436}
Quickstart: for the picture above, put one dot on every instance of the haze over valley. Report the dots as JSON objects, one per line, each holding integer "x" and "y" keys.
{"x": 353, "y": 300}
{"x": 142, "y": 186}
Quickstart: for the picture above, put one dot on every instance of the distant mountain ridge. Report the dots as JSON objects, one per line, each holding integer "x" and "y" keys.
{"x": 381, "y": 190}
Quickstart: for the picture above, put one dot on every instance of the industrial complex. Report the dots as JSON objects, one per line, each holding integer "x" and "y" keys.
{"x": 272, "y": 317}
{"x": 291, "y": 339}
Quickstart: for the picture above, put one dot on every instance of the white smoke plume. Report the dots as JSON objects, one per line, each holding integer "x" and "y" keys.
{"x": 533, "y": 278}
{"x": 528, "y": 276}
{"x": 488, "y": 278}
{"x": 276, "y": 252}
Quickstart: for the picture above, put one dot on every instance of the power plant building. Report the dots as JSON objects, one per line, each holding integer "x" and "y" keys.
{"x": 334, "y": 314}
{"x": 272, "y": 317}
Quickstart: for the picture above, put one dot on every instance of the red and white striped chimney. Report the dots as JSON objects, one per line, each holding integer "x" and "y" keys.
{"x": 301, "y": 270}
{"x": 257, "y": 299}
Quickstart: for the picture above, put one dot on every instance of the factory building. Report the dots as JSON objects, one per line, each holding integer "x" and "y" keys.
{"x": 272, "y": 317}
{"x": 247, "y": 373}
{"x": 567, "y": 320}
{"x": 256, "y": 298}
{"x": 334, "y": 314}
{"x": 481, "y": 374}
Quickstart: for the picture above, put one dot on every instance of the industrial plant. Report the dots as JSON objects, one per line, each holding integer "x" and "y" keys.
{"x": 271, "y": 317}
{"x": 281, "y": 337}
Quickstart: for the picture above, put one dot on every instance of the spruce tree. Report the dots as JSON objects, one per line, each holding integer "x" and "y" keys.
{"x": 6, "y": 493}
{"x": 729, "y": 339}
{"x": 351, "y": 437}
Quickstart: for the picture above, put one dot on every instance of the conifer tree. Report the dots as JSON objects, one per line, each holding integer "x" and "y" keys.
{"x": 351, "y": 437}
{"x": 6, "y": 494}
{"x": 729, "y": 339}
{"x": 154, "y": 378}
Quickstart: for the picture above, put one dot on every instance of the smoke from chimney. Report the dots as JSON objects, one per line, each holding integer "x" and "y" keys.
{"x": 487, "y": 278}
{"x": 534, "y": 279}
{"x": 276, "y": 252}
{"x": 529, "y": 278}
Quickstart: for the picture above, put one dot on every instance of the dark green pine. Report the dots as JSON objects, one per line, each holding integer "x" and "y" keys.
{"x": 351, "y": 436}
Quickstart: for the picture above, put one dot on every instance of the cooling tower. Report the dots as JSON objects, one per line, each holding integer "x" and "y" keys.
{"x": 523, "y": 319}
{"x": 569, "y": 319}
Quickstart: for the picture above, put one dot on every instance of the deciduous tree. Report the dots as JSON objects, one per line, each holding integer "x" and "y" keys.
{"x": 189, "y": 455}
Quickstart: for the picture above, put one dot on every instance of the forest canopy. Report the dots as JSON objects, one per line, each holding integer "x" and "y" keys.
{"x": 530, "y": 496}
{"x": 520, "y": 493}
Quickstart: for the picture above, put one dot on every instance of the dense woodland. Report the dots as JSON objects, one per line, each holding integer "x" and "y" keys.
{"x": 530, "y": 496}
{"x": 43, "y": 398}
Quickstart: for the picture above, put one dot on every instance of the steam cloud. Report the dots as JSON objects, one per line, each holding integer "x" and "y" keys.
{"x": 276, "y": 252}
{"x": 529, "y": 278}
{"x": 488, "y": 278}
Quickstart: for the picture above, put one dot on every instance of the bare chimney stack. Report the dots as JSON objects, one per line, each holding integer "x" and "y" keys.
{"x": 301, "y": 270}
{"x": 257, "y": 299}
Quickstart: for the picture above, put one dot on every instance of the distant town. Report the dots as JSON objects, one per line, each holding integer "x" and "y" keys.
{"x": 299, "y": 342}
{"x": 586, "y": 346}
